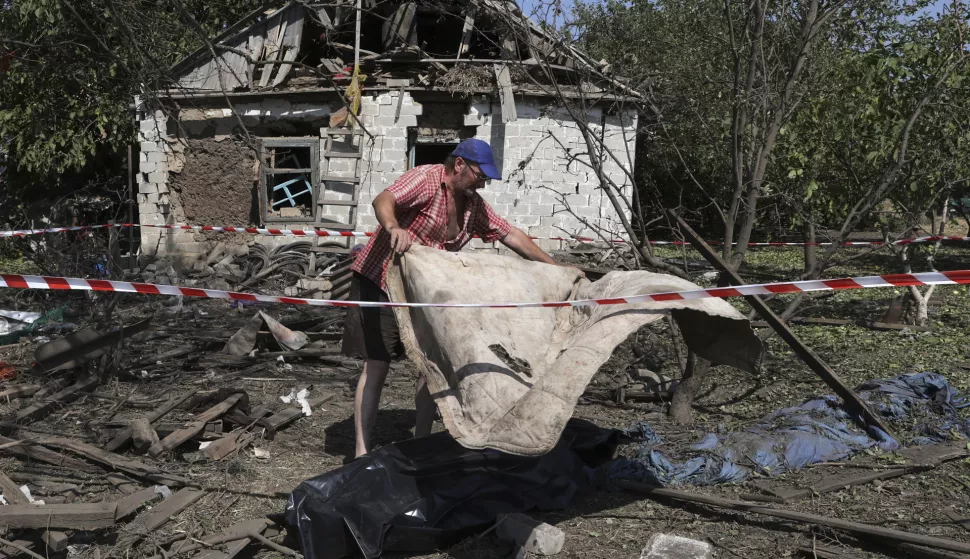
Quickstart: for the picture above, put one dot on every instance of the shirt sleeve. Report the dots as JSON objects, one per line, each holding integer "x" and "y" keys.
{"x": 489, "y": 225}
{"x": 412, "y": 189}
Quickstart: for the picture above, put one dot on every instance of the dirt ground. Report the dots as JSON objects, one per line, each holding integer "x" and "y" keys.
{"x": 601, "y": 525}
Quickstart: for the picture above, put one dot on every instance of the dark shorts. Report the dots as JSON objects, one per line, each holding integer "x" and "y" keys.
{"x": 370, "y": 332}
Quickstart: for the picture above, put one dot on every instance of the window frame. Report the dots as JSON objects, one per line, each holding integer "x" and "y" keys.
{"x": 265, "y": 172}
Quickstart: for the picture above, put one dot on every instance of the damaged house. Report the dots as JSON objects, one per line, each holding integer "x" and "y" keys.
{"x": 283, "y": 130}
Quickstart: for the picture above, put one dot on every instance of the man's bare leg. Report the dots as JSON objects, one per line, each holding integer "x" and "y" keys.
{"x": 366, "y": 402}
{"x": 424, "y": 409}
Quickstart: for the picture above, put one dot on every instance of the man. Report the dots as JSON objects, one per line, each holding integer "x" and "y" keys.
{"x": 438, "y": 206}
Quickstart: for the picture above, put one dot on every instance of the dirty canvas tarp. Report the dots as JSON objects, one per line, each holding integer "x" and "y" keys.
{"x": 819, "y": 430}
{"x": 520, "y": 402}
{"x": 425, "y": 494}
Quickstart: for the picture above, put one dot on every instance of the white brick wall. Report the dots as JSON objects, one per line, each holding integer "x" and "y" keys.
{"x": 533, "y": 198}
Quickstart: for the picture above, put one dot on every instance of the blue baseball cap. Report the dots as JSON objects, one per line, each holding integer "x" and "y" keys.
{"x": 478, "y": 151}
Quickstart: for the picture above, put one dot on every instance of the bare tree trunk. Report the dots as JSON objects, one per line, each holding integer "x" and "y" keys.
{"x": 682, "y": 403}
{"x": 811, "y": 250}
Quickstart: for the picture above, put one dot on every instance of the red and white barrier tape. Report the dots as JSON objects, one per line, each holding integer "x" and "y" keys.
{"x": 334, "y": 233}
{"x": 25, "y": 232}
{"x": 892, "y": 280}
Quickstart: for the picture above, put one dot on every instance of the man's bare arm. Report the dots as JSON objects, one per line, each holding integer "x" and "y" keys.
{"x": 384, "y": 209}
{"x": 521, "y": 244}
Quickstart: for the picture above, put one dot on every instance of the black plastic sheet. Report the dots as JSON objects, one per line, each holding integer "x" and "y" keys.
{"x": 428, "y": 493}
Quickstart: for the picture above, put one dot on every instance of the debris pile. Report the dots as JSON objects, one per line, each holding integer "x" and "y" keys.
{"x": 297, "y": 269}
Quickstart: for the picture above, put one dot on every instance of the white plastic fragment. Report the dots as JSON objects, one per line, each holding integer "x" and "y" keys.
{"x": 300, "y": 398}
{"x": 261, "y": 453}
{"x": 164, "y": 491}
{"x": 204, "y": 444}
{"x": 26, "y": 491}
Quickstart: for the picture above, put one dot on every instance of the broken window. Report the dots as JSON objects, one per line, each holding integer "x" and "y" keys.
{"x": 428, "y": 153}
{"x": 289, "y": 179}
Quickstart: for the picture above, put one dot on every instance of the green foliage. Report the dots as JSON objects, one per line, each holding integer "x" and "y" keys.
{"x": 871, "y": 65}
{"x": 69, "y": 72}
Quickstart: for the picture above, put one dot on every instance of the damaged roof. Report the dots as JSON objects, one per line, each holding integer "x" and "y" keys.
{"x": 459, "y": 46}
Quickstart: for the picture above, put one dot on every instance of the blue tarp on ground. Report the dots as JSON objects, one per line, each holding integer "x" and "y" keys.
{"x": 819, "y": 430}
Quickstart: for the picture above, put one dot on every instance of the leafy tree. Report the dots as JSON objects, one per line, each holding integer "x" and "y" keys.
{"x": 69, "y": 72}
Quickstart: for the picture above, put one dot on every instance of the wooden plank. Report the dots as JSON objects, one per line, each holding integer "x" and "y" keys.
{"x": 130, "y": 504}
{"x": 75, "y": 516}
{"x": 194, "y": 427}
{"x": 238, "y": 536}
{"x": 856, "y": 528}
{"x": 11, "y": 491}
{"x": 401, "y": 27}
{"x": 284, "y": 418}
{"x": 155, "y": 518}
{"x": 852, "y": 400}
{"x": 41, "y": 454}
{"x": 274, "y": 41}
{"x": 225, "y": 446}
{"x": 125, "y": 436}
{"x": 466, "y": 31}
{"x": 78, "y": 348}
{"x": 114, "y": 461}
{"x": 56, "y": 540}
{"x": 21, "y": 391}
{"x": 42, "y": 408}
{"x": 255, "y": 47}
{"x": 291, "y": 42}
{"x": 503, "y": 78}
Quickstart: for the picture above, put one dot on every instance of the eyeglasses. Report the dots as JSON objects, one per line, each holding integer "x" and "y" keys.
{"x": 478, "y": 174}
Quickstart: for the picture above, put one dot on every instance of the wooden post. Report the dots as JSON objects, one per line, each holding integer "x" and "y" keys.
{"x": 852, "y": 400}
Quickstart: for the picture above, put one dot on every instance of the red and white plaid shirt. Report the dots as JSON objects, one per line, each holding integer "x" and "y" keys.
{"x": 421, "y": 208}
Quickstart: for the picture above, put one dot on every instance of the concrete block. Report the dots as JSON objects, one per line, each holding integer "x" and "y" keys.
{"x": 666, "y": 546}
{"x": 156, "y": 157}
{"x": 146, "y": 167}
{"x": 162, "y": 188}
{"x": 406, "y": 120}
{"x": 412, "y": 108}
{"x": 540, "y": 209}
{"x": 521, "y": 221}
{"x": 577, "y": 200}
{"x": 536, "y": 537}
{"x": 147, "y": 188}
{"x": 149, "y": 147}
{"x": 158, "y": 177}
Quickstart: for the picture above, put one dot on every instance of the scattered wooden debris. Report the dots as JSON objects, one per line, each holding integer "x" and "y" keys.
{"x": 921, "y": 458}
{"x": 43, "y": 406}
{"x": 125, "y": 436}
{"x": 149, "y": 521}
{"x": 225, "y": 446}
{"x": 855, "y": 528}
{"x": 21, "y": 391}
{"x": 115, "y": 461}
{"x": 194, "y": 427}
{"x": 289, "y": 415}
{"x": 130, "y": 504}
{"x": 45, "y": 455}
{"x": 11, "y": 491}
{"x": 238, "y": 537}
{"x": 80, "y": 516}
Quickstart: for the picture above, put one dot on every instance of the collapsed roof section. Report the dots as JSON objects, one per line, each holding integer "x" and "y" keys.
{"x": 460, "y": 46}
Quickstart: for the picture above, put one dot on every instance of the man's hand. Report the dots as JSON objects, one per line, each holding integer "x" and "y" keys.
{"x": 400, "y": 240}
